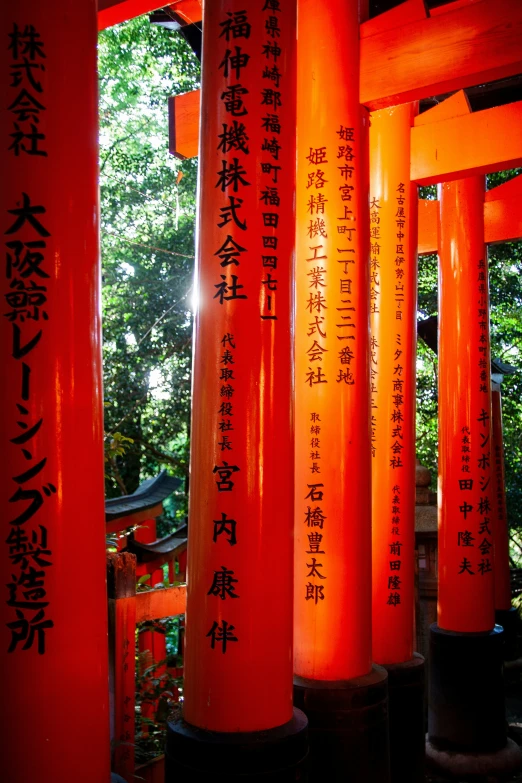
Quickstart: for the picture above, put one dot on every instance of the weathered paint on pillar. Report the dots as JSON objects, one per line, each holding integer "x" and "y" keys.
{"x": 332, "y": 453}
{"x": 393, "y": 316}
{"x": 465, "y": 446}
{"x": 502, "y": 576}
{"x": 240, "y": 559}
{"x": 53, "y": 629}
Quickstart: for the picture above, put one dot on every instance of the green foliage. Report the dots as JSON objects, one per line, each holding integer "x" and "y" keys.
{"x": 147, "y": 233}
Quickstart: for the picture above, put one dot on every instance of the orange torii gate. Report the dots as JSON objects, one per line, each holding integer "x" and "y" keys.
{"x": 389, "y": 40}
{"x": 405, "y": 55}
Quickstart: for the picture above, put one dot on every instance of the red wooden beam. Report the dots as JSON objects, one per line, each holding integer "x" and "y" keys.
{"x": 121, "y": 585}
{"x": 459, "y": 147}
{"x": 184, "y": 125}
{"x": 502, "y": 217}
{"x": 465, "y": 43}
{"x": 111, "y": 12}
{"x": 428, "y": 241}
{"x": 472, "y": 44}
{"x": 162, "y": 602}
{"x": 122, "y": 523}
{"x": 410, "y": 11}
{"x": 503, "y": 212}
{"x": 454, "y": 106}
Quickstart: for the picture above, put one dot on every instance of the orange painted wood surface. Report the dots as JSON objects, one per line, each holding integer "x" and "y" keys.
{"x": 184, "y": 112}
{"x": 479, "y": 42}
{"x": 121, "y": 585}
{"x": 428, "y": 237}
{"x": 502, "y": 221}
{"x": 152, "y": 772}
{"x": 112, "y": 12}
{"x": 122, "y": 523}
{"x": 241, "y": 464}
{"x": 454, "y": 106}
{"x": 393, "y": 314}
{"x": 332, "y": 605}
{"x": 190, "y": 11}
{"x": 410, "y": 11}
{"x": 466, "y": 587}
{"x": 422, "y": 58}
{"x": 163, "y": 602}
{"x": 503, "y": 212}
{"x": 478, "y": 143}
{"x": 499, "y": 510}
{"x": 449, "y": 7}
{"x": 53, "y": 626}
{"x": 508, "y": 190}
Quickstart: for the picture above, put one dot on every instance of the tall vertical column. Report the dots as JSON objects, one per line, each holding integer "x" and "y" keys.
{"x": 53, "y": 632}
{"x": 332, "y": 453}
{"x": 393, "y": 317}
{"x": 505, "y": 615}
{"x": 500, "y": 530}
{"x": 240, "y": 559}
{"x": 466, "y": 714}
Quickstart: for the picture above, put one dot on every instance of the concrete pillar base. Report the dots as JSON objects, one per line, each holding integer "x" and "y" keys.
{"x": 476, "y": 767}
{"x": 509, "y": 619}
{"x": 467, "y": 728}
{"x": 466, "y": 711}
{"x": 407, "y": 729}
{"x": 348, "y": 727}
{"x": 513, "y": 674}
{"x": 278, "y": 755}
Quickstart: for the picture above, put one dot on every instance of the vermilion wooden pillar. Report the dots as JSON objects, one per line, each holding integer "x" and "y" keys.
{"x": 393, "y": 317}
{"x": 393, "y": 297}
{"x": 53, "y": 629}
{"x": 240, "y": 556}
{"x": 152, "y": 646}
{"x": 146, "y": 534}
{"x": 466, "y": 645}
{"x": 332, "y": 451}
{"x": 505, "y": 615}
{"x": 466, "y": 597}
{"x": 501, "y": 529}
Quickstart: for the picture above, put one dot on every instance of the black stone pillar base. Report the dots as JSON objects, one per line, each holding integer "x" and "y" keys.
{"x": 509, "y": 619}
{"x": 348, "y": 727}
{"x": 476, "y": 767}
{"x": 278, "y": 755}
{"x": 467, "y": 730}
{"x": 407, "y": 728}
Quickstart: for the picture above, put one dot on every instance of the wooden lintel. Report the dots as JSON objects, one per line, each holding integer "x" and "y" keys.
{"x": 502, "y": 218}
{"x": 122, "y": 523}
{"x": 428, "y": 241}
{"x": 112, "y": 12}
{"x": 454, "y": 6}
{"x": 409, "y": 11}
{"x": 475, "y": 43}
{"x": 454, "y": 106}
{"x": 184, "y": 125}
{"x": 162, "y": 602}
{"x": 510, "y": 189}
{"x": 478, "y": 143}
